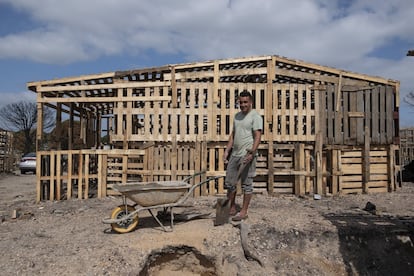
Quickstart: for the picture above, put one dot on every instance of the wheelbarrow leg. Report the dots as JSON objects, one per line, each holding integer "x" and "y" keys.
{"x": 159, "y": 222}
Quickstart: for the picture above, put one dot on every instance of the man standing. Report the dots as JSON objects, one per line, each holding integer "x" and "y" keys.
{"x": 243, "y": 143}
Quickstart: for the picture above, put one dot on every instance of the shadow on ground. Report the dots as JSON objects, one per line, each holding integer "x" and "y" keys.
{"x": 375, "y": 245}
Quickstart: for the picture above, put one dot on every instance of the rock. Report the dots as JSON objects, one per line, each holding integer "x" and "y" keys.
{"x": 370, "y": 207}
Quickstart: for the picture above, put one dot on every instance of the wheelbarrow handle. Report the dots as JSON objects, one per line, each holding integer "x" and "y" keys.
{"x": 190, "y": 191}
{"x": 194, "y": 175}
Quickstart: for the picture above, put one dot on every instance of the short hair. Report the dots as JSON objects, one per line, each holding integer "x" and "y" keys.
{"x": 245, "y": 93}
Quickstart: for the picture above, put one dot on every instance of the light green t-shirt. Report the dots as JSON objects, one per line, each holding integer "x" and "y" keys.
{"x": 243, "y": 127}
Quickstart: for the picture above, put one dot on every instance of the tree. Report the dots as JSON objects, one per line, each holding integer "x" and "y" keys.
{"x": 22, "y": 117}
{"x": 409, "y": 98}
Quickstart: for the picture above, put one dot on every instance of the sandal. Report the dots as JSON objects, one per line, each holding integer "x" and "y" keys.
{"x": 238, "y": 217}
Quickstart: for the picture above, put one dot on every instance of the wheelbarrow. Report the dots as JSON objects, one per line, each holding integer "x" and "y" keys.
{"x": 150, "y": 196}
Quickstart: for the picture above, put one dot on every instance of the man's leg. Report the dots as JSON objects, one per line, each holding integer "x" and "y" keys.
{"x": 232, "y": 197}
{"x": 246, "y": 202}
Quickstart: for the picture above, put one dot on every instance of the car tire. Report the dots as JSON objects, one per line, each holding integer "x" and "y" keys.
{"x": 22, "y": 172}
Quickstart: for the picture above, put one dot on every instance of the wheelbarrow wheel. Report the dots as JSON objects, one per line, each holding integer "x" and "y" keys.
{"x": 126, "y": 225}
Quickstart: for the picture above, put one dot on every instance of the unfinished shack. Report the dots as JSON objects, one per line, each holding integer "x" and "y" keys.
{"x": 326, "y": 130}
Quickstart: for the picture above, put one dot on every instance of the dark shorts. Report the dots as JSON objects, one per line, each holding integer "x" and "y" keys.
{"x": 246, "y": 176}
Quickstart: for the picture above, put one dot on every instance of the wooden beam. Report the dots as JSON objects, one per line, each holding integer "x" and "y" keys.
{"x": 86, "y": 99}
{"x": 89, "y": 87}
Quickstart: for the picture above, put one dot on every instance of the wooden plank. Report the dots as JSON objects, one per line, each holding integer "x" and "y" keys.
{"x": 330, "y": 107}
{"x": 378, "y": 190}
{"x": 366, "y": 168}
{"x": 382, "y": 113}
{"x": 52, "y": 178}
{"x": 58, "y": 174}
{"x": 352, "y": 185}
{"x": 335, "y": 169}
{"x": 351, "y": 178}
{"x": 352, "y": 168}
{"x": 375, "y": 127}
{"x": 299, "y": 166}
{"x": 92, "y": 87}
{"x": 270, "y": 67}
{"x": 39, "y": 188}
{"x": 86, "y": 191}
{"x": 352, "y": 153}
{"x": 80, "y": 175}
{"x": 345, "y": 114}
{"x": 283, "y": 113}
{"x": 359, "y": 121}
{"x": 389, "y": 114}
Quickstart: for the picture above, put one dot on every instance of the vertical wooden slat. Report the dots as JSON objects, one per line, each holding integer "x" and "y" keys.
{"x": 268, "y": 100}
{"x": 86, "y": 191}
{"x": 366, "y": 172}
{"x": 39, "y": 189}
{"x": 299, "y": 169}
{"x": 320, "y": 109}
{"x": 58, "y": 174}
{"x": 173, "y": 87}
{"x": 300, "y": 113}
{"x": 174, "y": 157}
{"x": 70, "y": 173}
{"x": 391, "y": 168}
{"x": 270, "y": 168}
{"x": 80, "y": 174}
{"x": 308, "y": 182}
{"x": 291, "y": 113}
{"x": 156, "y": 119}
{"x": 360, "y": 120}
{"x": 52, "y": 177}
{"x": 330, "y": 99}
{"x": 100, "y": 175}
{"x": 382, "y": 112}
{"x": 338, "y": 136}
{"x": 375, "y": 129}
{"x": 389, "y": 115}
{"x": 283, "y": 113}
{"x": 319, "y": 126}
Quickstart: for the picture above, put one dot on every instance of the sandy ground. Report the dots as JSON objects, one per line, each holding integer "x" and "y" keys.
{"x": 287, "y": 235}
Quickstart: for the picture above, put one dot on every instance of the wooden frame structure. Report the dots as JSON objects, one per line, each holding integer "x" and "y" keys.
{"x": 7, "y": 157}
{"x": 407, "y": 146}
{"x": 325, "y": 130}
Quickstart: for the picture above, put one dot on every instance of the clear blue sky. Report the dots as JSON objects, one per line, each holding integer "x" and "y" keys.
{"x": 46, "y": 39}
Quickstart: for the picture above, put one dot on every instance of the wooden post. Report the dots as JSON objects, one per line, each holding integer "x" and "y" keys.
{"x": 174, "y": 97}
{"x": 319, "y": 125}
{"x": 335, "y": 155}
{"x": 124, "y": 168}
{"x": 52, "y": 176}
{"x": 366, "y": 161}
{"x": 203, "y": 167}
{"x": 58, "y": 133}
{"x": 391, "y": 168}
{"x": 86, "y": 191}
{"x": 174, "y": 158}
{"x": 58, "y": 173}
{"x": 270, "y": 168}
{"x": 70, "y": 171}
{"x": 70, "y": 130}
{"x": 80, "y": 174}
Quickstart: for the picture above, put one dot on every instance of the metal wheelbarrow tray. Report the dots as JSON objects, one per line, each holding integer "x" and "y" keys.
{"x": 148, "y": 196}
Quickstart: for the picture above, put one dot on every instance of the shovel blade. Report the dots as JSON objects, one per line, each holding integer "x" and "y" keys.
{"x": 222, "y": 211}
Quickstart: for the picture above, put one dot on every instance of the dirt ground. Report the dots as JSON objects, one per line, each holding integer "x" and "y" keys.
{"x": 286, "y": 235}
